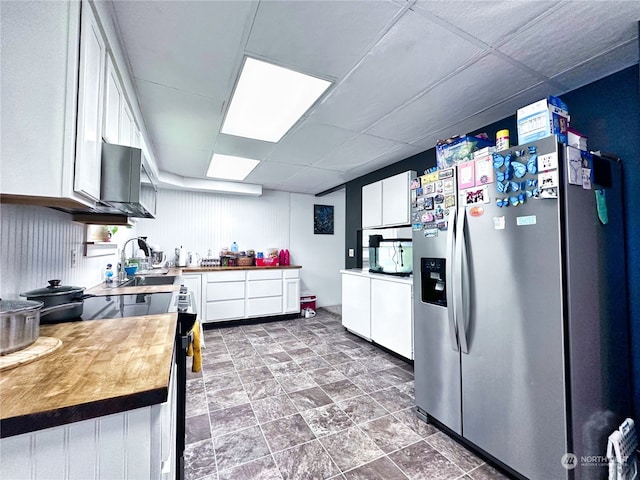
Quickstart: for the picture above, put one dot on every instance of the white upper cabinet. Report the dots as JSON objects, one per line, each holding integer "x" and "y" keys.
{"x": 90, "y": 98}
{"x": 386, "y": 202}
{"x": 127, "y": 126}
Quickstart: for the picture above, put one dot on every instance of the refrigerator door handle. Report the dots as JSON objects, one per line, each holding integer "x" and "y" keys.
{"x": 461, "y": 281}
{"x": 450, "y": 285}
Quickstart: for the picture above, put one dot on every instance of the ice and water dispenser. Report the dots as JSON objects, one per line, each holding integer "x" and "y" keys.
{"x": 433, "y": 281}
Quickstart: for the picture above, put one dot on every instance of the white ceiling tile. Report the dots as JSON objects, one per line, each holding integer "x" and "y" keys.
{"x": 309, "y": 142}
{"x": 318, "y": 37}
{"x": 577, "y": 32}
{"x": 178, "y": 118}
{"x": 243, "y": 147}
{"x": 189, "y": 45}
{"x": 357, "y": 151}
{"x": 313, "y": 180}
{"x": 405, "y": 62}
{"x": 405, "y": 151}
{"x": 269, "y": 172}
{"x": 489, "y": 22}
{"x": 184, "y": 161}
{"x": 485, "y": 83}
{"x": 601, "y": 66}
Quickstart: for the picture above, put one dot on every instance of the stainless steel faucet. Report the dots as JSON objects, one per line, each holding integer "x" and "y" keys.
{"x": 122, "y": 275}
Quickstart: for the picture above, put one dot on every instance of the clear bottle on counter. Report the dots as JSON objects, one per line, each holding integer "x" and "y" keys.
{"x": 108, "y": 275}
{"x": 234, "y": 247}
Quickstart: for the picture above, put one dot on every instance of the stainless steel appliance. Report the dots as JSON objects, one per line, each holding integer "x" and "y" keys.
{"x": 520, "y": 310}
{"x": 392, "y": 256}
{"x": 126, "y": 184}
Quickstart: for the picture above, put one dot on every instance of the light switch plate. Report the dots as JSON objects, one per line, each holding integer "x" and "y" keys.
{"x": 352, "y": 252}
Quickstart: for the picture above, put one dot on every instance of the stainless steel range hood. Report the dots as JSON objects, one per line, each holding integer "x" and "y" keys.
{"x": 126, "y": 184}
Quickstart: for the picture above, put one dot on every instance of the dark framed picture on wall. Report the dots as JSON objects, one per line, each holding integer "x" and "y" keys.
{"x": 323, "y": 219}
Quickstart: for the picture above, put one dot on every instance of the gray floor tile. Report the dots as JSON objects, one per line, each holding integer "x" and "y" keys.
{"x": 351, "y": 369}
{"x": 197, "y": 428}
{"x": 370, "y": 382}
{"x": 393, "y": 399}
{"x": 263, "y": 469}
{"x": 222, "y": 381}
{"x": 421, "y": 461}
{"x": 410, "y": 419}
{"x": 254, "y": 375}
{"x": 309, "y": 398}
{"x": 326, "y": 375}
{"x": 199, "y": 460}
{"x": 285, "y": 368}
{"x": 380, "y": 469}
{"x": 239, "y": 447}
{"x": 287, "y": 432}
{"x": 486, "y": 472}
{"x": 226, "y": 398}
{"x": 296, "y": 381}
{"x": 351, "y": 448}
{"x": 231, "y": 419}
{"x": 327, "y": 419}
{"x": 455, "y": 452}
{"x": 362, "y": 409}
{"x": 306, "y": 461}
{"x": 276, "y": 357}
{"x": 312, "y": 363}
{"x": 342, "y": 390}
{"x": 264, "y": 389}
{"x": 389, "y": 434}
{"x": 273, "y": 408}
{"x": 396, "y": 375}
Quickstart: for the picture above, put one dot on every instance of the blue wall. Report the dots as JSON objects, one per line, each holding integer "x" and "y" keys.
{"x": 608, "y": 113}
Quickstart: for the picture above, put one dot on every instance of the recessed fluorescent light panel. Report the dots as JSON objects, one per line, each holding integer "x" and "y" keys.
{"x": 230, "y": 168}
{"x": 269, "y": 100}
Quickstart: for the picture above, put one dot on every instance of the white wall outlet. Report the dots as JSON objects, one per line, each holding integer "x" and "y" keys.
{"x": 74, "y": 258}
{"x": 352, "y": 252}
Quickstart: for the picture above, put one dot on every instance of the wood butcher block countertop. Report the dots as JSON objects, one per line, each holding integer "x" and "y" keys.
{"x": 103, "y": 367}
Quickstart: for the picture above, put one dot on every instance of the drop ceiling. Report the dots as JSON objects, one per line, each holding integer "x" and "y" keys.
{"x": 406, "y": 73}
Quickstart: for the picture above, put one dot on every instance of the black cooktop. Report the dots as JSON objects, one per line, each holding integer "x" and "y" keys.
{"x": 118, "y": 306}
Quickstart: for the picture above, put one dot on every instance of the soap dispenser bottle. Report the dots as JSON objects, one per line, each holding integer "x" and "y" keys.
{"x": 108, "y": 275}
{"x": 234, "y": 247}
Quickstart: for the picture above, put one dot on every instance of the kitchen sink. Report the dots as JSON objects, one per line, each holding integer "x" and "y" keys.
{"x": 147, "y": 280}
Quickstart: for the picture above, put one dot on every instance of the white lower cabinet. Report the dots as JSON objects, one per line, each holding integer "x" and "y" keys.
{"x": 379, "y": 309}
{"x": 134, "y": 444}
{"x": 356, "y": 304}
{"x": 391, "y": 316}
{"x": 237, "y": 294}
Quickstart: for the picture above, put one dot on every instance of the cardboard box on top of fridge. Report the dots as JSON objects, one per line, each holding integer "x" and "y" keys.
{"x": 545, "y": 117}
{"x": 458, "y": 149}
{"x": 576, "y": 139}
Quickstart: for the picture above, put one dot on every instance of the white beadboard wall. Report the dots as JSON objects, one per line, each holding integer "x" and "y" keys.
{"x": 202, "y": 221}
{"x": 36, "y": 247}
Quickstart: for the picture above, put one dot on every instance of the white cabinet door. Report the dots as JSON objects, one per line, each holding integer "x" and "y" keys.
{"x": 193, "y": 282}
{"x": 126, "y": 125}
{"x": 90, "y": 99}
{"x": 291, "y": 300}
{"x": 391, "y": 316}
{"x": 356, "y": 305}
{"x": 112, "y": 104}
{"x": 395, "y": 199}
{"x": 372, "y": 205}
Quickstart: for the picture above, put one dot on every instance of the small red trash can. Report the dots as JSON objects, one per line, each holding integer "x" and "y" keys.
{"x": 308, "y": 301}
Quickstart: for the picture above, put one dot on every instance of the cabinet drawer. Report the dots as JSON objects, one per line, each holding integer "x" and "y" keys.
{"x": 264, "y": 274}
{"x": 264, "y": 288}
{"x": 258, "y": 307}
{"x": 225, "y": 310}
{"x": 228, "y": 276}
{"x": 291, "y": 273}
{"x": 225, "y": 291}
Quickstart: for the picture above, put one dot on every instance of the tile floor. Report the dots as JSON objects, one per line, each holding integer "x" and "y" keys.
{"x": 304, "y": 399}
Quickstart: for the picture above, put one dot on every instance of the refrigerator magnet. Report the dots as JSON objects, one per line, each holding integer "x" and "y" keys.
{"x": 415, "y": 183}
{"x": 484, "y": 171}
{"x": 574, "y": 166}
{"x": 427, "y": 217}
{"x": 448, "y": 187}
{"x": 474, "y": 196}
{"x": 416, "y": 227}
{"x": 439, "y": 186}
{"x": 466, "y": 175}
{"x": 586, "y": 178}
{"x": 428, "y": 203}
{"x": 429, "y": 188}
{"x": 442, "y": 174}
{"x": 419, "y": 191}
{"x": 414, "y": 195}
{"x": 547, "y": 180}
{"x": 430, "y": 232}
{"x": 449, "y": 201}
{"x": 442, "y": 225}
{"x": 499, "y": 223}
{"x": 548, "y": 162}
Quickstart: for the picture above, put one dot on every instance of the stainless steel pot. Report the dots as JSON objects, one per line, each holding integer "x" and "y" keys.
{"x": 20, "y": 323}
{"x": 56, "y": 294}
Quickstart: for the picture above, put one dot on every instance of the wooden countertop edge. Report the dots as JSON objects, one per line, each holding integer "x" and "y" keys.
{"x": 62, "y": 416}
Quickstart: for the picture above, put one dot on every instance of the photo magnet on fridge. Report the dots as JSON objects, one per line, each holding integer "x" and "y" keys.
{"x": 415, "y": 183}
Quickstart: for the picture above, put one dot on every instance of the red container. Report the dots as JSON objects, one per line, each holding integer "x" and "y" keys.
{"x": 267, "y": 262}
{"x": 308, "y": 301}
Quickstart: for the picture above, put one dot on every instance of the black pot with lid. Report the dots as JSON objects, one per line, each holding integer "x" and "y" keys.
{"x": 55, "y": 294}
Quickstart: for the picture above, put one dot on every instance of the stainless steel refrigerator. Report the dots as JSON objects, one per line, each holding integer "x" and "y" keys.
{"x": 520, "y": 307}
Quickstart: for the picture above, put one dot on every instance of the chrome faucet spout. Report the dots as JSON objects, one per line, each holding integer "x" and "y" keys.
{"x": 121, "y": 272}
